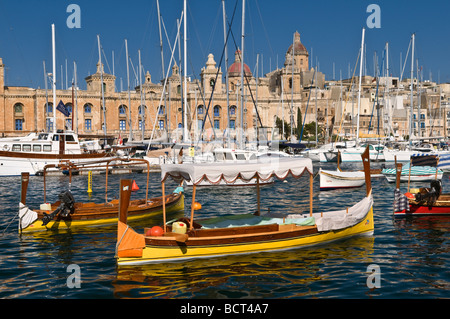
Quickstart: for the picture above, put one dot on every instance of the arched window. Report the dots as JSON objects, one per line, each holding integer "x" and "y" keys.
{"x": 69, "y": 108}
{"x": 48, "y": 107}
{"x": 122, "y": 110}
{"x": 87, "y": 108}
{"x": 290, "y": 83}
{"x": 18, "y": 116}
{"x": 217, "y": 110}
{"x": 161, "y": 110}
{"x": 233, "y": 110}
{"x": 200, "y": 109}
{"x": 18, "y": 108}
{"x": 142, "y": 109}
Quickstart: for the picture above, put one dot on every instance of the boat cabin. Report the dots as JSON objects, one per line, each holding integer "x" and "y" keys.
{"x": 60, "y": 142}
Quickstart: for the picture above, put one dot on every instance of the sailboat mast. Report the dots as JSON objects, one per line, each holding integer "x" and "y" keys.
{"x": 412, "y": 98}
{"x": 102, "y": 86}
{"x": 130, "y": 138}
{"x": 359, "y": 89}
{"x": 76, "y": 95}
{"x": 141, "y": 107}
{"x": 162, "y": 66}
{"x": 54, "y": 78}
{"x": 46, "y": 94}
{"x": 291, "y": 117}
{"x": 241, "y": 139}
{"x": 185, "y": 133}
{"x": 226, "y": 68}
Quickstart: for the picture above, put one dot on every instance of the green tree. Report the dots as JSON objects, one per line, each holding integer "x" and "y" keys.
{"x": 287, "y": 127}
{"x": 299, "y": 123}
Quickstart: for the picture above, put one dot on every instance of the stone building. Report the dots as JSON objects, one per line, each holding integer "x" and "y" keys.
{"x": 213, "y": 108}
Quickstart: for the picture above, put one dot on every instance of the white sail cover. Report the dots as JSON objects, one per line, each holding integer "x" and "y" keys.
{"x": 26, "y": 216}
{"x": 247, "y": 170}
{"x": 340, "y": 219}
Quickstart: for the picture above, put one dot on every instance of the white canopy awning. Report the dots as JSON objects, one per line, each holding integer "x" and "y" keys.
{"x": 229, "y": 172}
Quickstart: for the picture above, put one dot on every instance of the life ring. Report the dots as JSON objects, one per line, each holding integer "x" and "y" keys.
{"x": 6, "y": 147}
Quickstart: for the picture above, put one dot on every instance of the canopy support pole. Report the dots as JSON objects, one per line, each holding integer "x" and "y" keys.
{"x": 258, "y": 195}
{"x": 311, "y": 178}
{"x": 24, "y": 187}
{"x": 192, "y": 207}
{"x": 409, "y": 175}
{"x": 437, "y": 168}
{"x": 164, "y": 205}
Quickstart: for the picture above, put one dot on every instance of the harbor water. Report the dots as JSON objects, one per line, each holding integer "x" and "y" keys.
{"x": 410, "y": 256}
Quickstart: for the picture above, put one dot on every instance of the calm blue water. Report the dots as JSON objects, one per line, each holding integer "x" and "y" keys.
{"x": 412, "y": 255}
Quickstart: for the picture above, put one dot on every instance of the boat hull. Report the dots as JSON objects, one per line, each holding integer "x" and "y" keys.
{"x": 330, "y": 180}
{"x": 15, "y": 163}
{"x": 260, "y": 242}
{"x": 421, "y": 210}
{"x": 106, "y": 215}
{"x": 391, "y": 178}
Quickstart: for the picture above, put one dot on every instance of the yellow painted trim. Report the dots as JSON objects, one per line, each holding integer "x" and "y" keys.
{"x": 153, "y": 254}
{"x": 79, "y": 224}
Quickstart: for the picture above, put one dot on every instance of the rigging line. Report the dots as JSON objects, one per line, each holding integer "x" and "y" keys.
{"x": 165, "y": 82}
{"x": 218, "y": 69}
{"x": 307, "y": 104}
{"x": 204, "y": 103}
{"x": 106, "y": 60}
{"x": 264, "y": 28}
{"x": 194, "y": 26}
{"x": 348, "y": 95}
{"x": 248, "y": 83}
{"x": 213, "y": 29}
{"x": 406, "y": 58}
{"x": 375, "y": 101}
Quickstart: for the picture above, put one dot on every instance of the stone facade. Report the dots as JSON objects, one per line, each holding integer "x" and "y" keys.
{"x": 279, "y": 93}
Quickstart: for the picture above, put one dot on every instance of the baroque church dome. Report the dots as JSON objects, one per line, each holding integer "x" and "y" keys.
{"x": 235, "y": 68}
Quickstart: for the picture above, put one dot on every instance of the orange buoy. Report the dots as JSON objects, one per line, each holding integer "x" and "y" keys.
{"x": 409, "y": 195}
{"x": 134, "y": 186}
{"x": 197, "y": 206}
{"x": 155, "y": 231}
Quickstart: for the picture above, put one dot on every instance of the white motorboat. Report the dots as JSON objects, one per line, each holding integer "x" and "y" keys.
{"x": 32, "y": 153}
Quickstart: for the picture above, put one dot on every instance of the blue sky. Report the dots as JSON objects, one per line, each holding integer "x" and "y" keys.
{"x": 330, "y": 30}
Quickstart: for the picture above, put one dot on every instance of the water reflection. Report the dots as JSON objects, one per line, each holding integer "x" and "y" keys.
{"x": 292, "y": 273}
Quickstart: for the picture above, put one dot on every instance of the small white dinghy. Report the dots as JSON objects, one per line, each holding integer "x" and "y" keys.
{"x": 330, "y": 180}
{"x": 338, "y": 179}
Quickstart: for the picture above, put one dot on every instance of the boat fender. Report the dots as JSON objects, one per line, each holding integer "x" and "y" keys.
{"x": 179, "y": 228}
{"x": 155, "y": 231}
{"x": 187, "y": 222}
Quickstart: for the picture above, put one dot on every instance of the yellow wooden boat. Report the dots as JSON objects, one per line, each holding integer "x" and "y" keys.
{"x": 66, "y": 213}
{"x": 188, "y": 239}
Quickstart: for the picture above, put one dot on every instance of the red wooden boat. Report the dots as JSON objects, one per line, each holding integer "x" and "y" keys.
{"x": 425, "y": 201}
